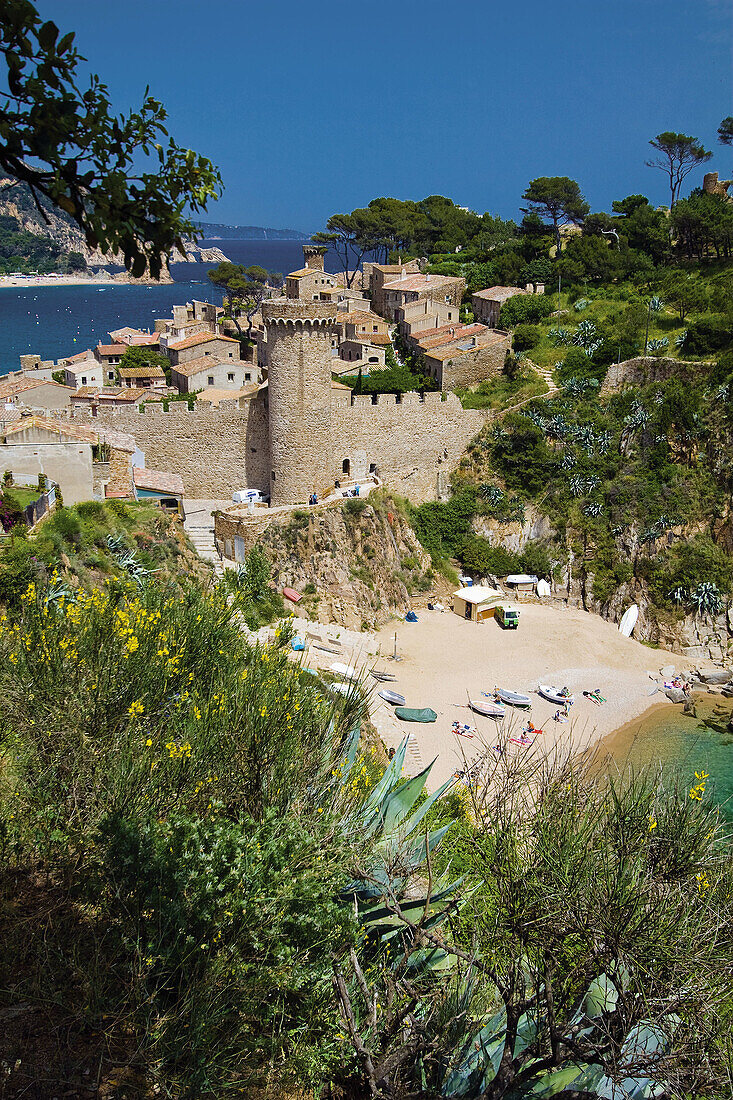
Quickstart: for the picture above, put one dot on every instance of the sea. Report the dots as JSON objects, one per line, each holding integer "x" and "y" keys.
{"x": 56, "y": 321}
{"x": 680, "y": 745}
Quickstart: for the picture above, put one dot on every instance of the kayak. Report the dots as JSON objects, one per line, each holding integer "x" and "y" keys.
{"x": 383, "y": 677}
{"x": 392, "y": 697}
{"x": 292, "y": 595}
{"x": 489, "y": 710}
{"x": 554, "y": 695}
{"x": 513, "y": 698}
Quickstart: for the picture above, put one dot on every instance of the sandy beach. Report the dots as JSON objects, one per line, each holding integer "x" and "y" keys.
{"x": 29, "y": 281}
{"x": 445, "y": 659}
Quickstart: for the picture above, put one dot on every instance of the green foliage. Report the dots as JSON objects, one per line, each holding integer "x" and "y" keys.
{"x": 528, "y": 308}
{"x": 73, "y": 151}
{"x": 441, "y": 526}
{"x": 250, "y": 585}
{"x": 677, "y": 155}
{"x": 479, "y": 557}
{"x": 558, "y": 200}
{"x": 708, "y": 335}
{"x": 394, "y": 379}
{"x": 245, "y": 289}
{"x": 141, "y": 356}
{"x": 525, "y": 337}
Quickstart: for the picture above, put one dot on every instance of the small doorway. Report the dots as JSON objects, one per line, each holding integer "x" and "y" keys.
{"x": 346, "y": 467}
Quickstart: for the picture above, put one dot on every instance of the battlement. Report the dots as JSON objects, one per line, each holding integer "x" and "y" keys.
{"x": 447, "y": 402}
{"x": 289, "y": 310}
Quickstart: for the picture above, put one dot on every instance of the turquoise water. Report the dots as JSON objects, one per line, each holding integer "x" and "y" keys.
{"x": 684, "y": 745}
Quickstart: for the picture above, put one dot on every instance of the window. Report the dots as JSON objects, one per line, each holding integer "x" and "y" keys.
{"x": 247, "y": 377}
{"x": 110, "y": 374}
{"x": 373, "y": 359}
{"x": 230, "y": 377}
{"x": 375, "y": 328}
{"x": 83, "y": 380}
{"x": 210, "y": 380}
{"x": 447, "y": 298}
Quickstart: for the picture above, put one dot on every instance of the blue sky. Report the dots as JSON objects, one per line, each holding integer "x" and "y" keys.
{"x": 315, "y": 108}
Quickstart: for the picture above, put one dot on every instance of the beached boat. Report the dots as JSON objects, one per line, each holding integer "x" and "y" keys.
{"x": 292, "y": 595}
{"x": 487, "y": 709}
{"x": 411, "y": 714}
{"x": 347, "y": 673}
{"x": 554, "y": 695}
{"x": 513, "y": 698}
{"x": 383, "y": 677}
{"x": 543, "y": 589}
{"x": 392, "y": 697}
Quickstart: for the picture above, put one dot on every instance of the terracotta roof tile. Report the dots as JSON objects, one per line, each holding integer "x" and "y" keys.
{"x": 200, "y": 338}
{"x": 421, "y": 282}
{"x": 111, "y": 349}
{"x": 141, "y": 372}
{"x": 16, "y": 386}
{"x": 499, "y": 293}
{"x": 56, "y": 427}
{"x": 157, "y": 481}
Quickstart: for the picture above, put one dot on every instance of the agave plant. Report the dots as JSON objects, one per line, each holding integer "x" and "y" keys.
{"x": 475, "y": 1064}
{"x": 595, "y": 508}
{"x": 568, "y": 460}
{"x": 707, "y": 599}
{"x": 561, "y": 337}
{"x": 656, "y": 305}
{"x": 585, "y": 334}
{"x": 678, "y": 594}
{"x": 581, "y": 304}
{"x": 492, "y": 494}
{"x": 658, "y": 345}
{"x": 680, "y": 338}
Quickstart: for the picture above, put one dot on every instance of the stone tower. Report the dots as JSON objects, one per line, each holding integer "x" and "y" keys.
{"x": 299, "y": 395}
{"x": 314, "y": 255}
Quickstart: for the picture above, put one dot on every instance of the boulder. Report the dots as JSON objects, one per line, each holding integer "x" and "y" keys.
{"x": 675, "y": 695}
{"x": 715, "y": 675}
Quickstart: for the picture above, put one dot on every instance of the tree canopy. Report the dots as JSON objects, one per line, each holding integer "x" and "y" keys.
{"x": 245, "y": 288}
{"x": 122, "y": 178}
{"x": 556, "y": 199}
{"x": 678, "y": 154}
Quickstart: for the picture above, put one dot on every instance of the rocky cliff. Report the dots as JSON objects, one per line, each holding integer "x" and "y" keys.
{"x": 60, "y": 229}
{"x": 355, "y": 564}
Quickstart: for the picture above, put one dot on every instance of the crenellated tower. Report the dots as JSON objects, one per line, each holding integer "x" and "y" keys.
{"x": 299, "y": 396}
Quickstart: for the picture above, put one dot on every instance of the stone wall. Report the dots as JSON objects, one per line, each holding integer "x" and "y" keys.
{"x": 645, "y": 369}
{"x": 464, "y": 369}
{"x": 412, "y": 443}
{"x": 215, "y": 450}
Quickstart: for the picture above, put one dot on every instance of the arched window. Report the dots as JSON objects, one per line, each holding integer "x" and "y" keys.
{"x": 346, "y": 467}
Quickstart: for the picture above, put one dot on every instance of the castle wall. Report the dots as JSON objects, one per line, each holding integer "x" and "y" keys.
{"x": 215, "y": 450}
{"x": 414, "y": 444}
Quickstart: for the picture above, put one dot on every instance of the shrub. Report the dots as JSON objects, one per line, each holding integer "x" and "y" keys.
{"x": 525, "y": 337}
{"x": 524, "y": 307}
{"x": 480, "y": 557}
{"x": 354, "y": 507}
{"x": 708, "y": 334}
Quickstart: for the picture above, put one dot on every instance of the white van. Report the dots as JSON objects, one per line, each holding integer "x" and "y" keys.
{"x": 248, "y": 496}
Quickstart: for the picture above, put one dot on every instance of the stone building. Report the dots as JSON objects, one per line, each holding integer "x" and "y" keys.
{"x": 408, "y": 289}
{"x": 202, "y": 344}
{"x": 486, "y": 304}
{"x": 312, "y": 283}
{"x": 374, "y": 276}
{"x": 299, "y": 432}
{"x": 207, "y": 372}
{"x": 146, "y": 377}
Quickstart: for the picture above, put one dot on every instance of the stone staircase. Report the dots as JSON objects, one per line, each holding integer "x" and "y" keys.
{"x": 199, "y": 526}
{"x": 547, "y": 375}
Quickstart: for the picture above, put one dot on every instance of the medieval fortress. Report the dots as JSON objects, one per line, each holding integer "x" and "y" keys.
{"x": 279, "y": 421}
{"x": 299, "y": 431}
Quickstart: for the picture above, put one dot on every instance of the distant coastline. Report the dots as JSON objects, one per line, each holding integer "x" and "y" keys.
{"x": 20, "y": 282}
